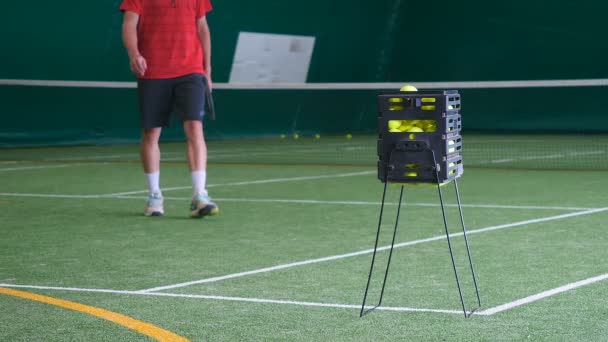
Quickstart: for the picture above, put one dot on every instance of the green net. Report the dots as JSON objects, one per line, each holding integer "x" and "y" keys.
{"x": 524, "y": 124}
{"x": 532, "y": 151}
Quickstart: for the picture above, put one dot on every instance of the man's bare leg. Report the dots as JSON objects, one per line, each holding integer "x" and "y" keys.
{"x": 150, "y": 159}
{"x": 197, "y": 162}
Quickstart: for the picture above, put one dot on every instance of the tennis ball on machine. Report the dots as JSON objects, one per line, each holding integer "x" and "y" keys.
{"x": 430, "y": 126}
{"x": 408, "y": 87}
{"x": 394, "y": 124}
{"x": 416, "y": 123}
{"x": 405, "y": 128}
{"x": 415, "y": 129}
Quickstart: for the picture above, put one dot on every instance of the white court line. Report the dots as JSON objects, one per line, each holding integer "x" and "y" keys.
{"x": 107, "y": 156}
{"x": 487, "y": 312}
{"x": 213, "y": 154}
{"x": 236, "y": 299}
{"x": 489, "y": 206}
{"x": 365, "y": 203}
{"x": 542, "y": 295}
{"x": 261, "y": 181}
{"x": 550, "y": 156}
{"x": 301, "y": 201}
{"x": 17, "y": 194}
{"x": 89, "y": 157}
{"x": 271, "y": 152}
{"x": 125, "y": 194}
{"x": 367, "y": 251}
{"x": 309, "y": 304}
{"x": 40, "y": 167}
{"x": 278, "y": 147}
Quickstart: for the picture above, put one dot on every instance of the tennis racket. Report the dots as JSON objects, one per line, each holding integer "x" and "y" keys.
{"x": 209, "y": 105}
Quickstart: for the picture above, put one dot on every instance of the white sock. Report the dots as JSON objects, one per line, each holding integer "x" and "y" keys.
{"x": 199, "y": 180}
{"x": 153, "y": 182}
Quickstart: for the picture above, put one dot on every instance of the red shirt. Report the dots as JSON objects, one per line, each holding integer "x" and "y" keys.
{"x": 167, "y": 35}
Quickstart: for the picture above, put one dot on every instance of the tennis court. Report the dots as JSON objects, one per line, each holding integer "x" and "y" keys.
{"x": 288, "y": 258}
{"x": 293, "y": 157}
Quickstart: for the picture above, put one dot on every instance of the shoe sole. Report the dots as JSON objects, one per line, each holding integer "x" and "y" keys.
{"x": 206, "y": 211}
{"x": 155, "y": 214}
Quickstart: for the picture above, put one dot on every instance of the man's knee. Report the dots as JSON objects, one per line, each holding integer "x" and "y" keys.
{"x": 193, "y": 130}
{"x": 150, "y": 135}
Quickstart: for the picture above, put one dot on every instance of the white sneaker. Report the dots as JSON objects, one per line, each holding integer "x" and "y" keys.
{"x": 202, "y": 206}
{"x": 154, "y": 206}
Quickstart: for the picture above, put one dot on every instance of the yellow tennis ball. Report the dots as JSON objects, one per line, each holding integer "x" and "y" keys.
{"x": 450, "y": 107}
{"x": 393, "y": 124}
{"x": 428, "y": 125}
{"x": 394, "y": 130}
{"x": 296, "y": 136}
{"x": 408, "y": 87}
{"x": 283, "y": 136}
{"x": 349, "y": 136}
{"x": 405, "y": 128}
{"x": 317, "y": 136}
{"x": 415, "y": 129}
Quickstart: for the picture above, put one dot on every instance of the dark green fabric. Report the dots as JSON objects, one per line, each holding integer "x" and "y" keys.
{"x": 356, "y": 41}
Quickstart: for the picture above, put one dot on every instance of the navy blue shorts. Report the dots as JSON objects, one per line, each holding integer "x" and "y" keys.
{"x": 182, "y": 96}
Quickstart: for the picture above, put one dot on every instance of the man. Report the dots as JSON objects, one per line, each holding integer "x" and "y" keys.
{"x": 169, "y": 48}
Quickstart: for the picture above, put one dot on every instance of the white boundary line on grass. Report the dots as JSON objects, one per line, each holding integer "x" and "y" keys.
{"x": 41, "y": 167}
{"x": 542, "y": 295}
{"x": 261, "y": 181}
{"x": 95, "y": 157}
{"x": 216, "y": 153}
{"x": 21, "y": 194}
{"x": 107, "y": 156}
{"x": 550, "y": 156}
{"x": 235, "y": 299}
{"x": 366, "y": 203}
{"x": 298, "y": 201}
{"x": 487, "y": 312}
{"x": 367, "y": 251}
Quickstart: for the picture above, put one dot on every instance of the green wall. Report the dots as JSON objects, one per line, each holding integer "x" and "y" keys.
{"x": 356, "y": 41}
{"x": 496, "y": 40}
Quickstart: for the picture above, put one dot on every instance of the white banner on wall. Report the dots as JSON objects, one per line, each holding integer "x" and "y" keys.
{"x": 271, "y": 58}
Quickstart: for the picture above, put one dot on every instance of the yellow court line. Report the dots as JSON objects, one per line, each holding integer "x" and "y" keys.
{"x": 139, "y": 326}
